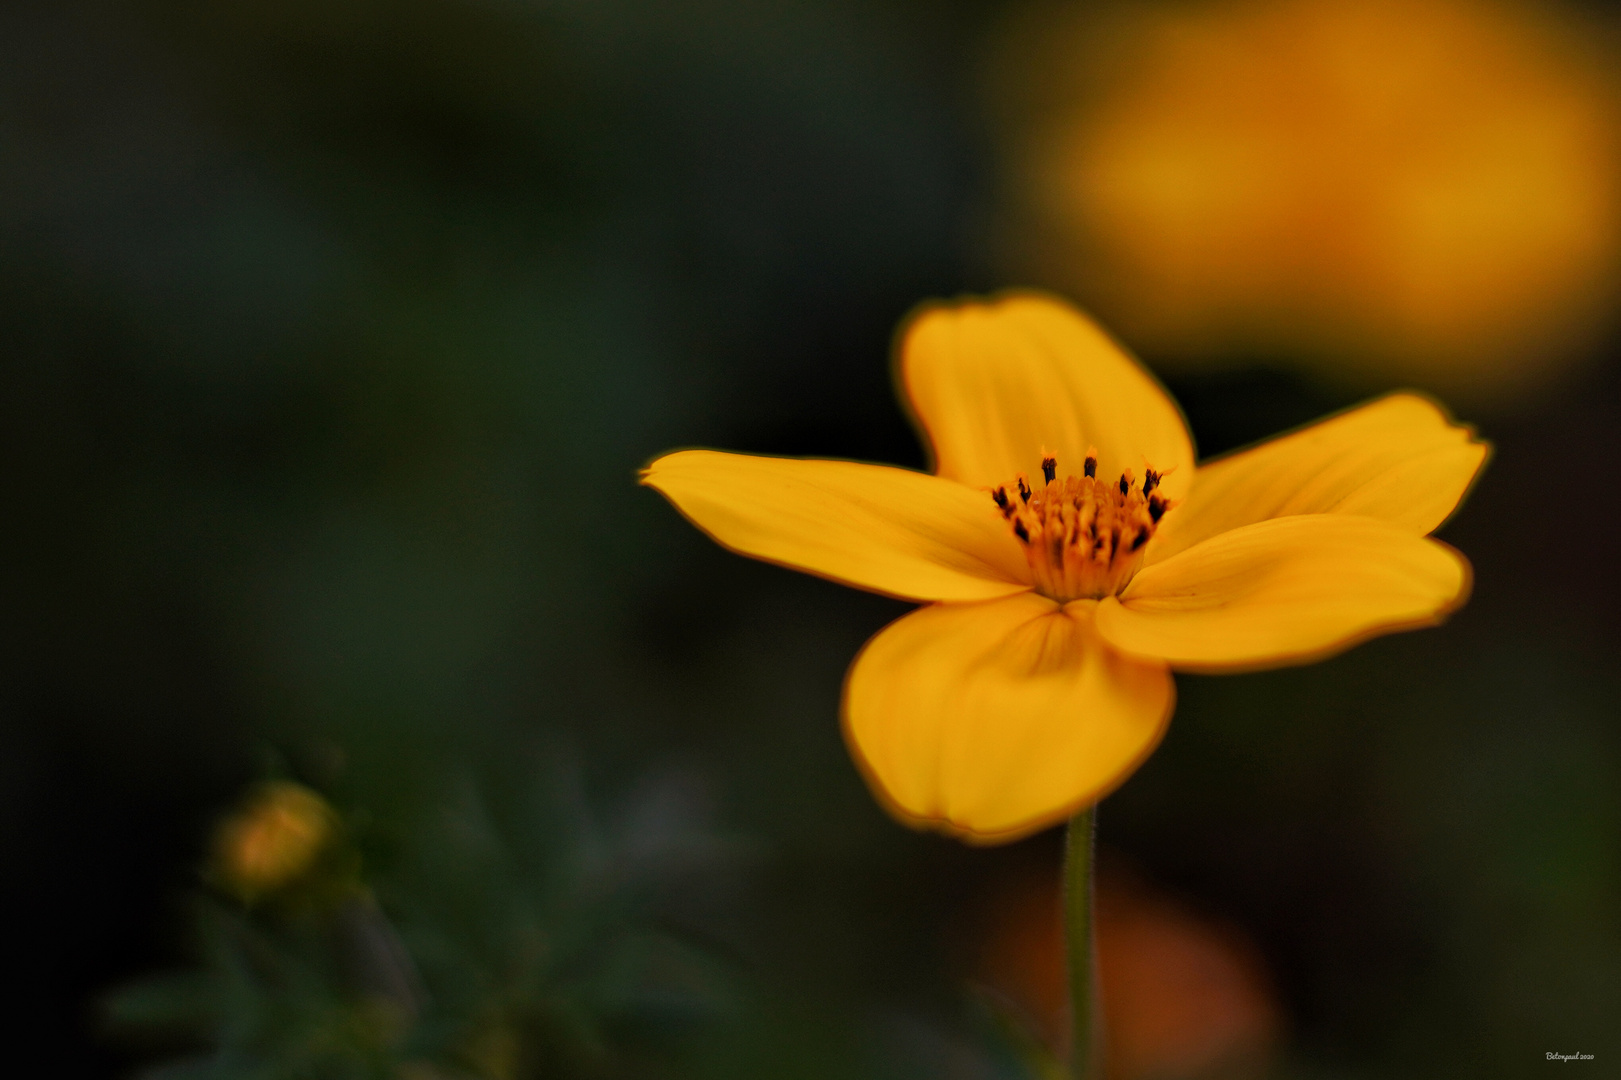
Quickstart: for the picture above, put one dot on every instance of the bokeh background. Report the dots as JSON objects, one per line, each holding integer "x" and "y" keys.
{"x": 332, "y": 335}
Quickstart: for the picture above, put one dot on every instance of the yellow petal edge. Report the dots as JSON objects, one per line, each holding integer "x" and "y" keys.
{"x": 994, "y": 384}
{"x": 1287, "y": 591}
{"x": 991, "y": 721}
{"x": 1399, "y": 459}
{"x": 890, "y": 530}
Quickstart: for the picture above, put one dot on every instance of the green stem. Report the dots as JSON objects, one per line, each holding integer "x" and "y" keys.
{"x": 1084, "y": 1055}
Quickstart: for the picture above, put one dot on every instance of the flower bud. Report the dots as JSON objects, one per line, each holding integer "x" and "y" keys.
{"x": 273, "y": 840}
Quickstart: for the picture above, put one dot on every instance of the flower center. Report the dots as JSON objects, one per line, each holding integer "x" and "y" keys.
{"x": 1084, "y": 537}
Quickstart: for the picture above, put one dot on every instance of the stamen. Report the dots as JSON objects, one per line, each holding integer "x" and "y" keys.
{"x": 1082, "y": 538}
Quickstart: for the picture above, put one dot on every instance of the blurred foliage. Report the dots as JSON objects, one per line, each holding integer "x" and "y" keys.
{"x": 332, "y": 336}
{"x": 546, "y": 941}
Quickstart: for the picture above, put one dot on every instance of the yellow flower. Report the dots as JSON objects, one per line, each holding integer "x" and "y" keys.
{"x": 273, "y": 840}
{"x": 1039, "y": 675}
{"x": 1385, "y": 190}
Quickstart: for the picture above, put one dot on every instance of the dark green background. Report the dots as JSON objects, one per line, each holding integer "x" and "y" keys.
{"x": 331, "y": 337}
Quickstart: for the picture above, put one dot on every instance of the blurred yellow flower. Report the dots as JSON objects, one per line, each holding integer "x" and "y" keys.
{"x": 1038, "y": 676}
{"x": 274, "y": 840}
{"x": 1414, "y": 190}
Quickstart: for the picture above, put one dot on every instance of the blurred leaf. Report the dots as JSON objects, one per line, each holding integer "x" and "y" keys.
{"x": 540, "y": 939}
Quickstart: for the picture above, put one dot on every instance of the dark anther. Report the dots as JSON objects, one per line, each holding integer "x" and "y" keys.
{"x": 1021, "y": 532}
{"x": 1142, "y": 538}
{"x": 1004, "y": 503}
{"x": 1156, "y": 508}
{"x": 1024, "y": 490}
{"x": 1124, "y": 486}
{"x": 1150, "y": 481}
{"x": 1091, "y": 466}
{"x": 1049, "y": 468}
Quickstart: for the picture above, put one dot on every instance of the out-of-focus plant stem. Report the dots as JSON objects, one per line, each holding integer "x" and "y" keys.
{"x": 1085, "y": 1057}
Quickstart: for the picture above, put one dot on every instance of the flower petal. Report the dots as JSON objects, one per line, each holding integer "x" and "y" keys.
{"x": 992, "y": 720}
{"x": 890, "y": 530}
{"x": 1284, "y": 591}
{"x": 994, "y": 384}
{"x": 1398, "y": 459}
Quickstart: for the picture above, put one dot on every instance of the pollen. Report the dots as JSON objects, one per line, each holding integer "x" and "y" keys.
{"x": 1083, "y": 537}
